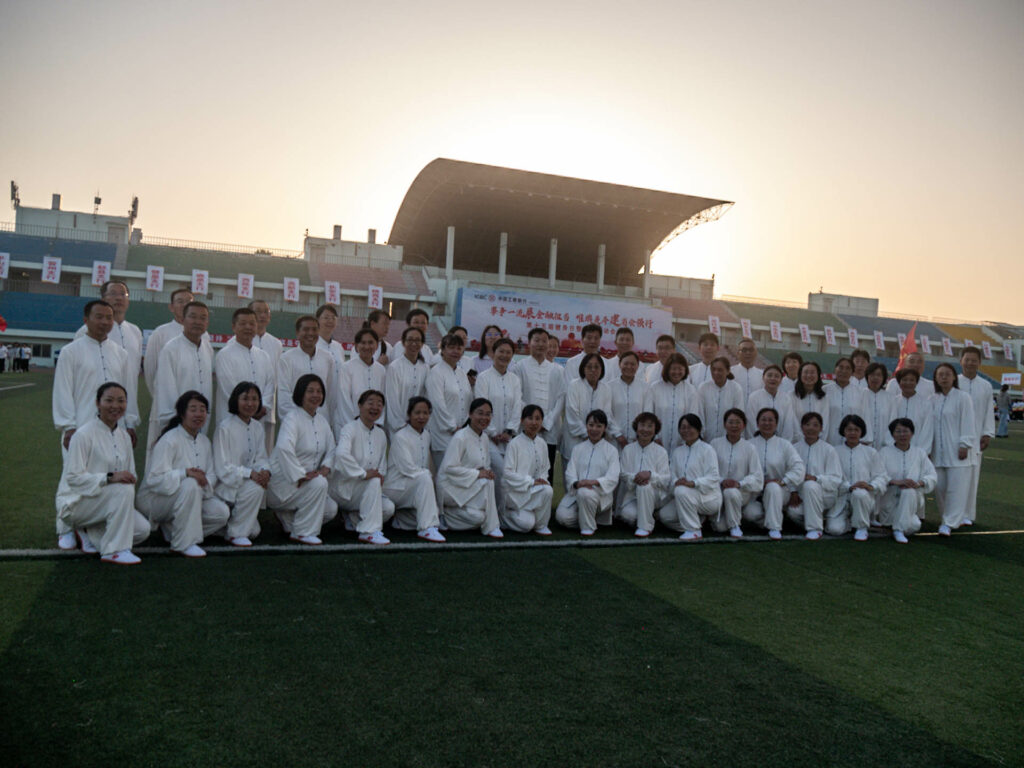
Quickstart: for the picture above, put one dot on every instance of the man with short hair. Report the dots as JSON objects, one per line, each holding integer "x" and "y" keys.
{"x": 543, "y": 384}
{"x": 746, "y": 374}
{"x": 709, "y": 347}
{"x": 240, "y": 360}
{"x": 300, "y": 360}
{"x": 180, "y": 298}
{"x": 127, "y": 335}
{"x": 416, "y": 318}
{"x": 270, "y": 344}
{"x": 327, "y": 321}
{"x": 186, "y": 363}
{"x": 591, "y": 335}
{"x": 980, "y": 392}
{"x": 624, "y": 341}
{"x": 915, "y": 362}
{"x": 664, "y": 346}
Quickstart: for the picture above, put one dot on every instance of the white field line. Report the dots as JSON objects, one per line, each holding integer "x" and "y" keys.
{"x": 16, "y": 386}
{"x": 324, "y": 549}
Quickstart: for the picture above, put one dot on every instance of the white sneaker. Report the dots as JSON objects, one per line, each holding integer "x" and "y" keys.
{"x": 376, "y": 537}
{"x": 967, "y": 522}
{"x": 124, "y": 557}
{"x": 861, "y": 534}
{"x": 240, "y": 541}
{"x": 900, "y": 537}
{"x": 194, "y": 551}
{"x": 495, "y": 534}
{"x": 312, "y": 541}
{"x": 736, "y": 532}
{"x": 641, "y": 533}
{"x": 87, "y": 546}
{"x": 431, "y": 534}
{"x": 586, "y": 531}
{"x": 813, "y": 535}
{"x": 66, "y": 541}
{"x": 944, "y": 530}
{"x": 542, "y": 531}
{"x": 775, "y": 535}
{"x": 690, "y": 536}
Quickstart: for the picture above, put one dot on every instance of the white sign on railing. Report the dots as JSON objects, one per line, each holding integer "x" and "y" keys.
{"x": 245, "y": 285}
{"x": 154, "y": 278}
{"x": 830, "y": 336}
{"x": 5, "y": 265}
{"x": 986, "y": 350}
{"x": 851, "y": 334}
{"x": 374, "y": 297}
{"x": 332, "y": 292}
{"x": 776, "y": 330}
{"x": 926, "y": 345}
{"x": 745, "y": 328}
{"x": 805, "y": 333}
{"x": 879, "y": 341}
{"x": 100, "y": 272}
{"x": 947, "y": 346}
{"x": 291, "y": 289}
{"x": 51, "y": 269}
{"x": 1007, "y": 350}
{"x": 200, "y": 281}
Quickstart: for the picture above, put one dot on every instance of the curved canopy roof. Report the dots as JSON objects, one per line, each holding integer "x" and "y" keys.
{"x": 482, "y": 201}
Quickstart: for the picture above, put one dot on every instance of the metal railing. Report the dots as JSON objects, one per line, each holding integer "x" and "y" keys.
{"x": 55, "y": 233}
{"x": 203, "y": 245}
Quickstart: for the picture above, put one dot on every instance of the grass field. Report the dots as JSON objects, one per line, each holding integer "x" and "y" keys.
{"x": 662, "y": 654}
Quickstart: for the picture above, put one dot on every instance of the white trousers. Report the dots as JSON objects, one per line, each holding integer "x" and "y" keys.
{"x": 109, "y": 519}
{"x": 902, "y": 508}
{"x": 536, "y": 513}
{"x": 367, "y": 509}
{"x": 480, "y": 511}
{"x": 638, "y": 505}
{"x": 585, "y": 510}
{"x": 813, "y": 503}
{"x": 766, "y": 509}
{"x": 191, "y": 517}
{"x": 685, "y": 511}
{"x": 951, "y": 493}
{"x": 415, "y": 504}
{"x": 305, "y": 510}
{"x": 245, "y": 510}
{"x": 733, "y": 502}
{"x": 498, "y": 468}
{"x": 972, "y": 490}
{"x": 851, "y": 510}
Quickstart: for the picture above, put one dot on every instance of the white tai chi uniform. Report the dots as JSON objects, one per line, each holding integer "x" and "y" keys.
{"x": 902, "y": 509}
{"x": 787, "y": 385}
{"x": 736, "y": 461}
{"x": 333, "y": 397}
{"x": 879, "y": 409}
{"x": 586, "y": 508}
{"x": 714, "y": 401}
{"x": 168, "y": 496}
{"x": 699, "y": 373}
{"x": 853, "y": 508}
{"x": 468, "y": 499}
{"x": 272, "y": 346}
{"x": 581, "y": 399}
{"x": 304, "y": 444}
{"x": 183, "y": 366}
{"x": 627, "y": 404}
{"x": 235, "y": 363}
{"x": 750, "y": 379}
{"x": 505, "y": 392}
{"x": 362, "y": 501}
{"x": 409, "y": 482}
{"x": 924, "y": 387}
{"x": 82, "y": 367}
{"x": 151, "y": 363}
{"x": 404, "y": 380}
{"x": 128, "y": 336}
{"x": 106, "y": 511}
{"x": 919, "y": 410}
{"x": 637, "y": 503}
{"x": 811, "y": 403}
{"x": 822, "y": 462}
{"x": 652, "y": 372}
{"x": 954, "y": 424}
{"x": 239, "y": 449}
{"x": 527, "y": 505}
{"x": 697, "y": 463}
{"x": 788, "y": 427}
{"x": 544, "y": 385}
{"x": 670, "y": 402}
{"x": 357, "y": 377}
{"x": 779, "y": 461}
{"x": 429, "y": 357}
{"x": 450, "y": 394}
{"x": 841, "y": 402}
{"x": 980, "y": 392}
{"x": 572, "y": 368}
{"x": 294, "y": 364}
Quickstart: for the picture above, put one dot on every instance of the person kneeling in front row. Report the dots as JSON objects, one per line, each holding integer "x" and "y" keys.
{"x": 591, "y": 479}
{"x": 911, "y": 475}
{"x": 527, "y": 492}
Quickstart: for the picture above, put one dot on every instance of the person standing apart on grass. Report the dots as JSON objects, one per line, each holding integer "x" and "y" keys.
{"x": 406, "y": 377}
{"x": 769, "y": 396}
{"x": 360, "y": 374}
{"x": 97, "y": 485}
{"x": 980, "y": 392}
{"x": 696, "y": 491}
{"x": 127, "y": 335}
{"x": 954, "y": 426}
{"x": 303, "y": 360}
{"x": 791, "y": 363}
{"x": 709, "y": 347}
{"x": 739, "y": 470}
{"x": 300, "y": 465}
{"x": 409, "y": 482}
{"x": 502, "y": 388}
{"x": 628, "y": 392}
{"x": 911, "y": 476}
{"x": 358, "y": 470}
{"x": 809, "y": 396}
{"x": 1004, "y": 405}
{"x": 272, "y": 346}
{"x": 186, "y": 363}
{"x": 783, "y": 473}
{"x": 671, "y": 397}
{"x": 83, "y": 366}
{"x": 241, "y": 462}
{"x": 590, "y": 480}
{"x": 526, "y": 491}
{"x": 178, "y": 493}
{"x": 450, "y": 395}
{"x": 543, "y": 384}
{"x": 644, "y": 476}
{"x": 240, "y": 360}
{"x": 822, "y": 476}
{"x": 863, "y": 480}
{"x": 745, "y": 373}
{"x": 879, "y": 404}
{"x": 717, "y": 396}
{"x": 464, "y": 477}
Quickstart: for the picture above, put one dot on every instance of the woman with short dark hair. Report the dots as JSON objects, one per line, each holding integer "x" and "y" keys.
{"x": 864, "y": 479}
{"x": 911, "y": 476}
{"x": 644, "y": 476}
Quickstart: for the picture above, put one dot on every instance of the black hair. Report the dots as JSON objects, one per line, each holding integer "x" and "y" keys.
{"x": 693, "y": 420}
{"x": 586, "y": 359}
{"x": 413, "y": 329}
{"x": 304, "y": 319}
{"x": 181, "y": 407}
{"x": 529, "y": 409}
{"x": 478, "y": 402}
{"x": 326, "y": 308}
{"x": 599, "y": 416}
{"x": 240, "y": 389}
{"x": 801, "y": 391}
{"x": 854, "y": 419}
{"x": 414, "y": 312}
{"x": 708, "y": 337}
{"x": 416, "y": 400}
{"x": 302, "y": 384}
{"x": 241, "y": 311}
{"x": 772, "y": 411}
{"x": 451, "y": 340}
{"x": 534, "y": 331}
{"x": 675, "y": 359}
{"x": 812, "y": 415}
{"x": 734, "y": 412}
{"x": 591, "y": 328}
{"x": 935, "y": 383}
{"x": 108, "y": 385}
{"x": 87, "y": 309}
{"x": 901, "y": 422}
{"x": 367, "y": 394}
{"x": 876, "y": 367}
{"x": 366, "y": 332}
{"x": 483, "y": 337}
{"x": 647, "y": 416}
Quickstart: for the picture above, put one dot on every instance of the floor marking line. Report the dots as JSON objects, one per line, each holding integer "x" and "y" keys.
{"x": 17, "y": 386}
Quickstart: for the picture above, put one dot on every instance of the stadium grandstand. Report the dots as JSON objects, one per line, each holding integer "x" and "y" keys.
{"x": 462, "y": 227}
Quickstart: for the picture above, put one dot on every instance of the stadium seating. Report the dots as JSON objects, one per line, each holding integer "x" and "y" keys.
{"x": 181, "y": 261}
{"x": 407, "y": 282}
{"x": 72, "y": 253}
{"x": 959, "y": 333}
{"x": 699, "y": 309}
{"x": 892, "y": 326}
{"x": 42, "y": 311}
{"x": 789, "y": 317}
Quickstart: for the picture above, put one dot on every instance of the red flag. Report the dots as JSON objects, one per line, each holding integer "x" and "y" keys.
{"x": 910, "y": 345}
{"x": 3, "y": 324}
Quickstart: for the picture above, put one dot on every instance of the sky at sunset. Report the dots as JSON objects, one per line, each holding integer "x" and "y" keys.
{"x": 872, "y": 148}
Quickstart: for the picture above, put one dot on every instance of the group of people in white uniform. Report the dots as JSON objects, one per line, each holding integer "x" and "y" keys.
{"x": 404, "y": 435}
